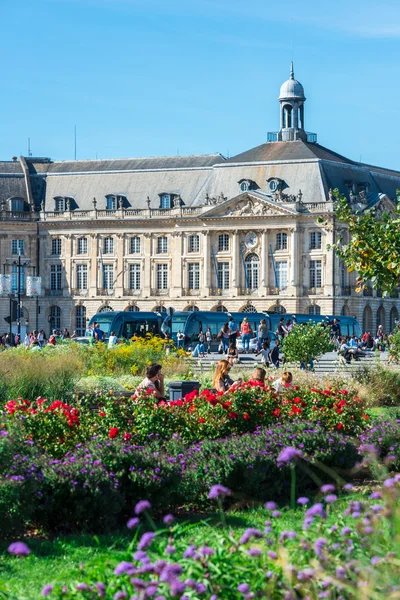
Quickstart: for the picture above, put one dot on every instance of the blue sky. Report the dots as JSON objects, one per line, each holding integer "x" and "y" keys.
{"x": 158, "y": 77}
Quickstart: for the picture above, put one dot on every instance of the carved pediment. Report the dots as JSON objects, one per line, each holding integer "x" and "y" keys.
{"x": 248, "y": 205}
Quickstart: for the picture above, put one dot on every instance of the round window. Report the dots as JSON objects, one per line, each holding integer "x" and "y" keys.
{"x": 273, "y": 185}
{"x": 244, "y": 186}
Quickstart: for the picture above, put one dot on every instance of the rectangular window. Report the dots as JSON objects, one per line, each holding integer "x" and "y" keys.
{"x": 55, "y": 277}
{"x": 17, "y": 247}
{"x": 194, "y": 276}
{"x": 59, "y": 204}
{"x": 315, "y": 273}
{"x": 81, "y": 277}
{"x": 135, "y": 245}
{"x": 82, "y": 245}
{"x": 281, "y": 241}
{"x": 165, "y": 201}
{"x": 134, "y": 277}
{"x": 14, "y": 279}
{"x": 315, "y": 240}
{"x": 108, "y": 277}
{"x": 223, "y": 275}
{"x": 56, "y": 247}
{"x": 111, "y": 203}
{"x": 162, "y": 277}
{"x": 223, "y": 242}
{"x": 108, "y": 245}
{"x": 162, "y": 245}
{"x": 281, "y": 268}
{"x": 194, "y": 243}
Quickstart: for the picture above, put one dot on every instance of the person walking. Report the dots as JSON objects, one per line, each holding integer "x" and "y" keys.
{"x": 274, "y": 355}
{"x": 202, "y": 341}
{"x": 247, "y": 334}
{"x": 208, "y": 340}
{"x": 223, "y": 336}
{"x": 262, "y": 333}
{"x": 180, "y": 338}
{"x": 281, "y": 331}
{"x": 112, "y": 340}
{"x": 233, "y": 330}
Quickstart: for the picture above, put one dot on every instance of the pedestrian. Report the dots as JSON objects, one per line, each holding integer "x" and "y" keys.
{"x": 262, "y": 333}
{"x": 202, "y": 342}
{"x": 40, "y": 338}
{"x": 281, "y": 330}
{"x": 112, "y": 340}
{"x": 274, "y": 355}
{"x": 264, "y": 353}
{"x": 180, "y": 338}
{"x": 247, "y": 334}
{"x": 233, "y": 331}
{"x": 223, "y": 337}
{"x": 208, "y": 339}
{"x": 98, "y": 334}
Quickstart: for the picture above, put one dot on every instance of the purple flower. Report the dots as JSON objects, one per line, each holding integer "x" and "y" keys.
{"x": 303, "y": 500}
{"x": 3, "y": 432}
{"x": 168, "y": 519}
{"x": 377, "y": 507}
{"x": 218, "y": 491}
{"x": 288, "y": 454}
{"x": 140, "y": 555}
{"x": 206, "y": 551}
{"x": 250, "y": 533}
{"x": 276, "y": 514}
{"x": 47, "y": 589}
{"x": 389, "y": 483}
{"x": 124, "y": 567}
{"x": 190, "y": 552}
{"x": 330, "y": 498}
{"x": 340, "y": 572}
{"x": 121, "y": 595}
{"x": 142, "y": 506}
{"x": 170, "y": 549}
{"x": 101, "y": 589}
{"x": 19, "y": 549}
{"x": 348, "y": 487}
{"x": 375, "y": 560}
{"x": 243, "y": 588}
{"x": 368, "y": 448}
{"x": 254, "y": 552}
{"x": 270, "y": 505}
{"x": 151, "y": 590}
{"x": 200, "y": 588}
{"x": 134, "y": 522}
{"x": 273, "y": 555}
{"x": 287, "y": 535}
{"x": 345, "y": 531}
{"x": 146, "y": 540}
{"x": 375, "y": 495}
{"x": 82, "y": 586}
{"x": 316, "y": 510}
{"x": 327, "y": 488}
{"x": 319, "y": 545}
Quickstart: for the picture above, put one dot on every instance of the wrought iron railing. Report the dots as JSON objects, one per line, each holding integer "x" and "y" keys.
{"x": 190, "y": 292}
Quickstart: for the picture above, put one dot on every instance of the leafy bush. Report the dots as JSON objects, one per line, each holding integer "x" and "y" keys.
{"x": 354, "y": 555}
{"x": 306, "y": 342}
{"x": 93, "y": 486}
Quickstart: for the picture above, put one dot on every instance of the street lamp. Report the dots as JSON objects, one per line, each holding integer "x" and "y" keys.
{"x": 19, "y": 265}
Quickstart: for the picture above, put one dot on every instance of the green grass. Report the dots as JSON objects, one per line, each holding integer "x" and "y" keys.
{"x": 69, "y": 559}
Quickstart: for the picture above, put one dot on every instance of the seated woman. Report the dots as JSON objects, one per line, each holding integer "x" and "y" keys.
{"x": 221, "y": 381}
{"x": 232, "y": 356}
{"x": 259, "y": 375}
{"x": 282, "y": 382}
{"x": 153, "y": 381}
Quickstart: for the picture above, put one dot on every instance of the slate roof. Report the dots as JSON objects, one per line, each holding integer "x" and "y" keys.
{"x": 298, "y": 150}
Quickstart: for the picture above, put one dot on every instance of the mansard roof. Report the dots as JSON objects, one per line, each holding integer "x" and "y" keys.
{"x": 295, "y": 150}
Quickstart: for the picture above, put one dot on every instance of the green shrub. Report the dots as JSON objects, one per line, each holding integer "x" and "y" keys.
{"x": 379, "y": 385}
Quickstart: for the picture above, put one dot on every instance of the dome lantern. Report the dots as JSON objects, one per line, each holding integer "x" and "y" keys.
{"x": 292, "y": 98}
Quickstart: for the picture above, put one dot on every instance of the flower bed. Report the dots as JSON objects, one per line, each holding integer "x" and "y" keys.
{"x": 93, "y": 486}
{"x": 57, "y": 426}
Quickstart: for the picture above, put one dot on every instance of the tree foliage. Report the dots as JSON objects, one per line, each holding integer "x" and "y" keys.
{"x": 306, "y": 342}
{"x": 373, "y": 249}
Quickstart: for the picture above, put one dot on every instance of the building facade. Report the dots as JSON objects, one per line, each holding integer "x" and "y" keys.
{"x": 197, "y": 232}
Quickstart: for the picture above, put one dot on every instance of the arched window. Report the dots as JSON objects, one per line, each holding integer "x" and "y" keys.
{"x": 55, "y": 317}
{"x": 80, "y": 320}
{"x": 380, "y": 317}
{"x": 394, "y": 315}
{"x": 314, "y": 309}
{"x": 105, "y": 309}
{"x": 252, "y": 270}
{"x": 287, "y": 116}
{"x": 219, "y": 308}
{"x": 132, "y": 308}
{"x": 248, "y": 308}
{"x": 367, "y": 319}
{"x": 277, "y": 309}
{"x": 191, "y": 308}
{"x": 160, "y": 308}
{"x": 345, "y": 311}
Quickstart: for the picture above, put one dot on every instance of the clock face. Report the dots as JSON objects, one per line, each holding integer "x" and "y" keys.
{"x": 251, "y": 240}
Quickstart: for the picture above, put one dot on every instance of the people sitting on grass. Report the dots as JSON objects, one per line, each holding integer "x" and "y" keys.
{"x": 259, "y": 375}
{"x": 221, "y": 380}
{"x": 154, "y": 382}
{"x": 232, "y": 356}
{"x": 283, "y": 382}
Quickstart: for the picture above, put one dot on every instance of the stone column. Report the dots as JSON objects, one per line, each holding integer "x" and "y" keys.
{"x": 264, "y": 263}
{"x": 206, "y": 263}
{"x": 294, "y": 262}
{"x": 176, "y": 265}
{"x": 146, "y": 275}
{"x": 94, "y": 278}
{"x": 235, "y": 280}
{"x": 67, "y": 255}
{"x": 119, "y": 276}
{"x": 327, "y": 266}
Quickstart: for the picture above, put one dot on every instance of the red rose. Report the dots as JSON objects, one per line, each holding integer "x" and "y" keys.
{"x": 114, "y": 431}
{"x": 297, "y": 400}
{"x": 102, "y": 414}
{"x": 276, "y": 412}
{"x": 201, "y": 420}
{"x": 366, "y": 417}
{"x": 179, "y": 403}
{"x": 340, "y": 426}
{"x": 246, "y": 417}
{"x": 127, "y": 437}
{"x": 233, "y": 415}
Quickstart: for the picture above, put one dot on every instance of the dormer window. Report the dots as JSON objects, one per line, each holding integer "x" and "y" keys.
{"x": 62, "y": 203}
{"x": 165, "y": 201}
{"x": 115, "y": 201}
{"x": 17, "y": 204}
{"x": 247, "y": 184}
{"x": 274, "y": 184}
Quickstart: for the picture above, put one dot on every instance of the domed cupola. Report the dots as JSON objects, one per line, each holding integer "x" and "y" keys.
{"x": 292, "y": 98}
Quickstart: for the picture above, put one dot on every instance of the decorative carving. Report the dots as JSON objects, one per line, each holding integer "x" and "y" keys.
{"x": 281, "y": 197}
{"x": 3, "y": 205}
{"x": 214, "y": 200}
{"x": 67, "y": 204}
{"x": 249, "y": 207}
{"x": 330, "y": 195}
{"x": 94, "y": 203}
{"x": 148, "y": 202}
{"x": 300, "y": 196}
{"x": 120, "y": 202}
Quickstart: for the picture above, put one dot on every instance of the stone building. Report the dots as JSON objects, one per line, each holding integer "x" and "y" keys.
{"x": 192, "y": 232}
